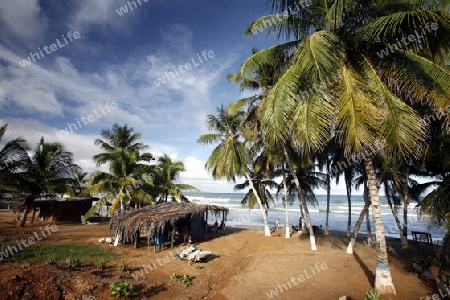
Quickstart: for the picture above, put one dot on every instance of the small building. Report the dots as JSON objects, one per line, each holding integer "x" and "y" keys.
{"x": 65, "y": 209}
{"x": 166, "y": 218}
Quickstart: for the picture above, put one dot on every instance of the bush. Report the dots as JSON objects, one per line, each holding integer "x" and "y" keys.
{"x": 372, "y": 295}
{"x": 185, "y": 279}
{"x": 72, "y": 261}
{"x": 100, "y": 264}
{"x": 121, "y": 288}
{"x": 122, "y": 266}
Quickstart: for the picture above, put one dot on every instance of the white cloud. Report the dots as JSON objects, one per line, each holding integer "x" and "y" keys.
{"x": 197, "y": 176}
{"x": 23, "y": 19}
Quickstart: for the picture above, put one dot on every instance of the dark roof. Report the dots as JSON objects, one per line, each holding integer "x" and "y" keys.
{"x": 156, "y": 217}
{"x": 54, "y": 202}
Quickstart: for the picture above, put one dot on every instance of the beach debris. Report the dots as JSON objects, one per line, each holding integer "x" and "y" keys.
{"x": 192, "y": 254}
{"x": 105, "y": 240}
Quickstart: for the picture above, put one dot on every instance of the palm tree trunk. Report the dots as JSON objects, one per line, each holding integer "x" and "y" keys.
{"x": 348, "y": 186}
{"x": 261, "y": 207}
{"x": 328, "y": 196}
{"x": 394, "y": 212}
{"x": 351, "y": 244}
{"x": 383, "y": 278}
{"x": 286, "y": 203}
{"x": 405, "y": 244}
{"x": 302, "y": 201}
{"x": 302, "y": 213}
{"x": 26, "y": 209}
{"x": 367, "y": 200}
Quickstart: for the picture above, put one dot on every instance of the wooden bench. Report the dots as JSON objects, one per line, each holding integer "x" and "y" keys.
{"x": 424, "y": 237}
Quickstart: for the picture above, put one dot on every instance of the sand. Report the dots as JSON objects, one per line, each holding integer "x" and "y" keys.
{"x": 247, "y": 265}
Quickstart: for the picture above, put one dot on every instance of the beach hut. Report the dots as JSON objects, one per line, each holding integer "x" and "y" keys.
{"x": 64, "y": 209}
{"x": 164, "y": 220}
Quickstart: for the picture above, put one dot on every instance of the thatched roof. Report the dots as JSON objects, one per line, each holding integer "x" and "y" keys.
{"x": 44, "y": 203}
{"x": 156, "y": 217}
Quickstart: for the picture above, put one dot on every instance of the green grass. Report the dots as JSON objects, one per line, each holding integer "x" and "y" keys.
{"x": 58, "y": 253}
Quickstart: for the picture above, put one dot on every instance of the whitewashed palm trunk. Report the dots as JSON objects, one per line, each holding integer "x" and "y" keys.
{"x": 351, "y": 244}
{"x": 302, "y": 201}
{"x": 370, "y": 240}
{"x": 348, "y": 185}
{"x": 405, "y": 244}
{"x": 394, "y": 213}
{"x": 327, "y": 218}
{"x": 262, "y": 208}
{"x": 383, "y": 278}
{"x": 286, "y": 203}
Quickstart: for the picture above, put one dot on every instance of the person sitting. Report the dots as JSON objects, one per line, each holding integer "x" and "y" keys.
{"x": 277, "y": 224}
{"x": 221, "y": 227}
{"x": 215, "y": 227}
{"x": 185, "y": 234}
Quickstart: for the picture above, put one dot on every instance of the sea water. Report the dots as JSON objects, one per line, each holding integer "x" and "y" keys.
{"x": 243, "y": 216}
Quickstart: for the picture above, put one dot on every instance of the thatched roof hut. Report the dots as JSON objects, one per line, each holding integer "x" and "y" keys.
{"x": 156, "y": 218}
{"x": 64, "y": 209}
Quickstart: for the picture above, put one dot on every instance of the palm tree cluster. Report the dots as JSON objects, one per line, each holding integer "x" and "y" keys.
{"x": 132, "y": 181}
{"x": 325, "y": 95}
{"x": 47, "y": 171}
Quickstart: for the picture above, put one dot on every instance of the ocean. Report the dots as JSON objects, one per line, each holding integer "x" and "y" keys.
{"x": 243, "y": 216}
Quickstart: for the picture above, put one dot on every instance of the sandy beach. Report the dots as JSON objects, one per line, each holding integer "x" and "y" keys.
{"x": 246, "y": 265}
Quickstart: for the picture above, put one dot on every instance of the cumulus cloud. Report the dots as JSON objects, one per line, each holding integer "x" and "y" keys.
{"x": 197, "y": 176}
{"x": 23, "y": 19}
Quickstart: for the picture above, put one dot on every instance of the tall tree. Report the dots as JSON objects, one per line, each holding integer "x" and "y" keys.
{"x": 46, "y": 173}
{"x": 335, "y": 47}
{"x": 130, "y": 171}
{"x": 232, "y": 156}
{"x": 167, "y": 171}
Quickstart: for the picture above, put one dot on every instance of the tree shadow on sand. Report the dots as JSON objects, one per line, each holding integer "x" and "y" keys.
{"x": 141, "y": 290}
{"x": 369, "y": 274}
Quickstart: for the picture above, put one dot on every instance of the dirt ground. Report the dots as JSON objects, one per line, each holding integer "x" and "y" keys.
{"x": 246, "y": 265}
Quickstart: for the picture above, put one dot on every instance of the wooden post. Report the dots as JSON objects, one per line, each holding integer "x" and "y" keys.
{"x": 172, "y": 240}
{"x": 34, "y": 212}
{"x": 206, "y": 225}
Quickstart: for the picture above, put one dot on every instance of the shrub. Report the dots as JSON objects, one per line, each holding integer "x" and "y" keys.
{"x": 100, "y": 264}
{"x": 185, "y": 279}
{"x": 72, "y": 261}
{"x": 122, "y": 266}
{"x": 372, "y": 295}
{"x": 121, "y": 288}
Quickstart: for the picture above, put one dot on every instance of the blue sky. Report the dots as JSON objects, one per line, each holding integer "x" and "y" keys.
{"x": 109, "y": 74}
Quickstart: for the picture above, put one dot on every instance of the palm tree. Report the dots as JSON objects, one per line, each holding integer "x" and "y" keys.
{"x": 232, "y": 156}
{"x": 13, "y": 157}
{"x": 261, "y": 186}
{"x": 46, "y": 173}
{"x": 333, "y": 47}
{"x": 168, "y": 171}
{"x": 13, "y": 154}
{"x": 79, "y": 183}
{"x": 364, "y": 212}
{"x": 130, "y": 172}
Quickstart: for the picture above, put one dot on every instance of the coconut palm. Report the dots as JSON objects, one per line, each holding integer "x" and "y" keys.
{"x": 361, "y": 180}
{"x": 13, "y": 154}
{"x": 79, "y": 183}
{"x": 167, "y": 171}
{"x": 232, "y": 156}
{"x": 46, "y": 173}
{"x": 130, "y": 172}
{"x": 261, "y": 186}
{"x": 334, "y": 73}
